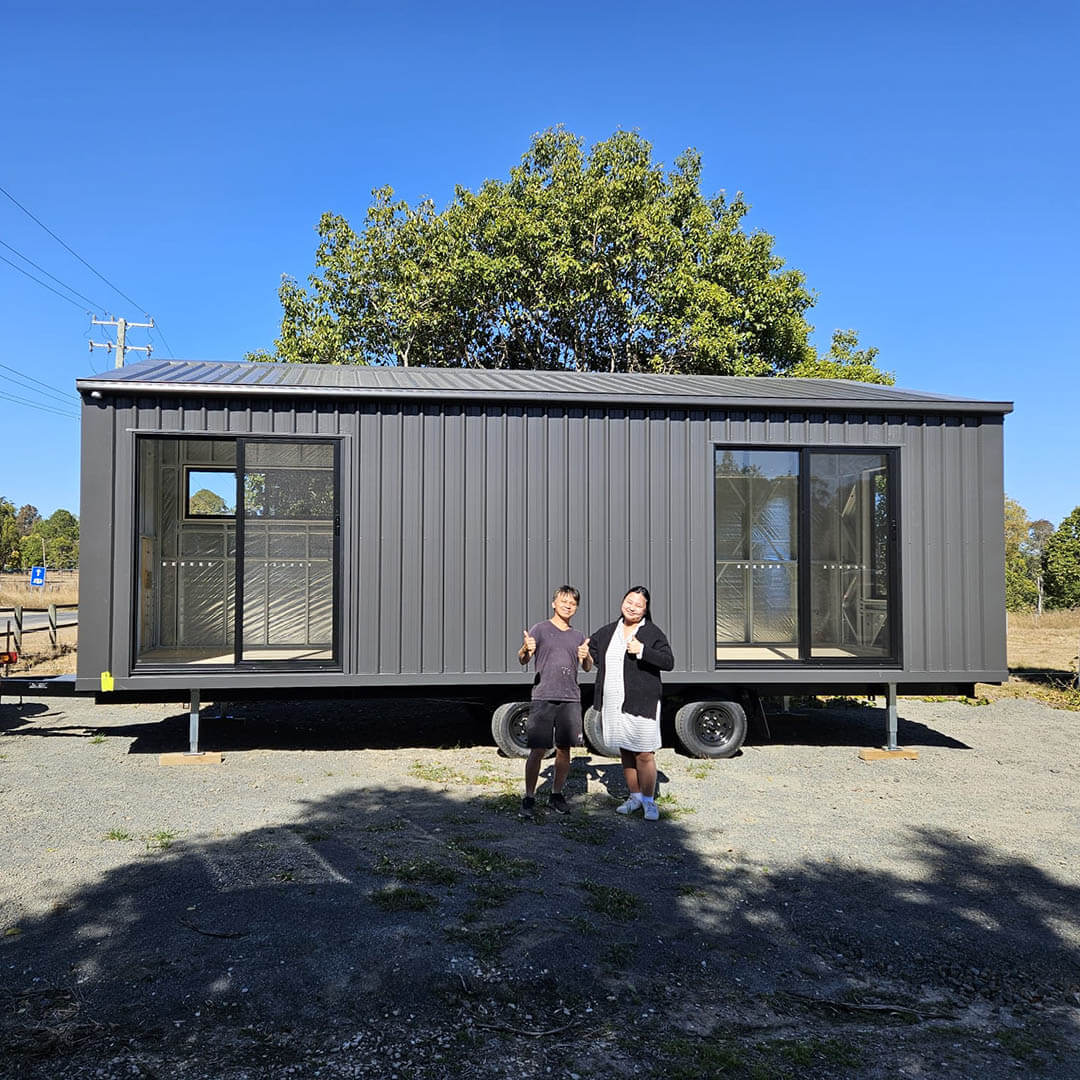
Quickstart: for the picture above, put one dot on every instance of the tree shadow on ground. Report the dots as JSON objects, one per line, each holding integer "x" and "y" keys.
{"x": 437, "y": 915}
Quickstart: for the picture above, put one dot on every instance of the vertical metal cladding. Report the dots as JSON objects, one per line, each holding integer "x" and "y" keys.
{"x": 458, "y": 518}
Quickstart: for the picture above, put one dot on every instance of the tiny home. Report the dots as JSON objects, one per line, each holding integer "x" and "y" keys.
{"x": 287, "y": 528}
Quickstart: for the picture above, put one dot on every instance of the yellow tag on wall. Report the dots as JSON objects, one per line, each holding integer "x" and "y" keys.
{"x": 106, "y": 681}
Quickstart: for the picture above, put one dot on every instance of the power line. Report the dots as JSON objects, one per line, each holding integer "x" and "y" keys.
{"x": 64, "y": 284}
{"x": 115, "y": 288}
{"x": 40, "y": 408}
{"x": 68, "y": 399}
{"x": 164, "y": 342}
{"x": 14, "y": 266}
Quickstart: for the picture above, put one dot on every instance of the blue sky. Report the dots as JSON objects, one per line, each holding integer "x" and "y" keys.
{"x": 917, "y": 162}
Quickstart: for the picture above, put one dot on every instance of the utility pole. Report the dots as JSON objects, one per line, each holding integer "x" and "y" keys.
{"x": 121, "y": 333}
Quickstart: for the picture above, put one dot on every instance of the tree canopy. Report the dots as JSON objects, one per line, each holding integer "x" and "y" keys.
{"x": 22, "y": 534}
{"x": 1061, "y": 557}
{"x": 599, "y": 261}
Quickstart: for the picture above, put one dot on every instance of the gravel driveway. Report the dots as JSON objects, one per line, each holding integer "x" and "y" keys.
{"x": 351, "y": 894}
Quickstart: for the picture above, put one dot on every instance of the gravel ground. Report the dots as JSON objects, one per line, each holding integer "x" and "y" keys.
{"x": 352, "y": 894}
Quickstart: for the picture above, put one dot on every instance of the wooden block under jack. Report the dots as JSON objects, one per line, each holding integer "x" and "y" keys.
{"x": 205, "y": 757}
{"x": 877, "y": 753}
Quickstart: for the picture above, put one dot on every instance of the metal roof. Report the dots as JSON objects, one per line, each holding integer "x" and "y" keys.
{"x": 201, "y": 378}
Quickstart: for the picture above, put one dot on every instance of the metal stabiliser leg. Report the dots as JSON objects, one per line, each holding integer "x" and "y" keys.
{"x": 193, "y": 725}
{"x": 890, "y": 699}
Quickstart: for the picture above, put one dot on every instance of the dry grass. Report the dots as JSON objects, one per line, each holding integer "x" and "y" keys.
{"x": 61, "y": 587}
{"x": 39, "y": 657}
{"x": 1044, "y": 642}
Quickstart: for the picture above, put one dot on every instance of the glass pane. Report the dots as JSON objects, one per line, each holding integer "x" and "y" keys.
{"x": 289, "y": 511}
{"x": 849, "y": 551}
{"x": 211, "y": 494}
{"x": 185, "y": 602}
{"x": 756, "y": 514}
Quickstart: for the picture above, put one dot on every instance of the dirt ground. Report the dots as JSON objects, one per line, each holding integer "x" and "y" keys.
{"x": 351, "y": 893}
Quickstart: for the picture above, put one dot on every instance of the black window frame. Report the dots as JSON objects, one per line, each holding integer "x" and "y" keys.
{"x": 185, "y": 493}
{"x": 804, "y": 630}
{"x": 333, "y": 665}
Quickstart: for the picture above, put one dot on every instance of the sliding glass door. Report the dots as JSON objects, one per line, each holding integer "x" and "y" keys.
{"x": 805, "y": 556}
{"x": 287, "y": 530}
{"x": 237, "y": 552}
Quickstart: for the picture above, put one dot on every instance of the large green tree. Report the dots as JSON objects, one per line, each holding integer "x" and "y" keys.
{"x": 1062, "y": 561}
{"x": 1025, "y": 542}
{"x": 9, "y": 536}
{"x": 598, "y": 261}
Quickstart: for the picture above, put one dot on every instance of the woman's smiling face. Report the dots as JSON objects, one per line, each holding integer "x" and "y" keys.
{"x": 633, "y": 608}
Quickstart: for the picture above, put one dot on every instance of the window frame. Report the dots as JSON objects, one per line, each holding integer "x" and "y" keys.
{"x": 803, "y": 562}
{"x": 238, "y": 665}
{"x": 185, "y": 493}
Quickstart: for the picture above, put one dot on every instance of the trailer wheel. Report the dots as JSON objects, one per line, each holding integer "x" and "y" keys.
{"x": 711, "y": 729}
{"x": 594, "y": 734}
{"x": 509, "y": 725}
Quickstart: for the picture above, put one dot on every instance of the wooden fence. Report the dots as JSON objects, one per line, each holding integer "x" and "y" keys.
{"x": 14, "y": 627}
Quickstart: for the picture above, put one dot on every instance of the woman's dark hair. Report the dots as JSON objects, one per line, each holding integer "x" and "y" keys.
{"x": 644, "y": 592}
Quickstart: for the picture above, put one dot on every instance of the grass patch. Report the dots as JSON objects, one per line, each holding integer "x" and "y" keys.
{"x": 506, "y": 802}
{"x": 1057, "y": 695}
{"x": 585, "y": 829}
{"x": 418, "y": 871}
{"x": 483, "y": 860}
{"x": 621, "y": 954}
{"x": 96, "y": 739}
{"x": 1029, "y": 1048}
{"x": 692, "y": 892}
{"x": 395, "y": 898}
{"x": 611, "y": 901}
{"x": 487, "y": 895}
{"x": 670, "y": 808}
{"x": 394, "y": 825}
{"x": 160, "y": 840}
{"x": 804, "y": 1053}
{"x": 435, "y": 772}
{"x": 692, "y": 1059}
{"x": 118, "y": 834}
{"x": 699, "y": 770}
{"x": 487, "y": 942}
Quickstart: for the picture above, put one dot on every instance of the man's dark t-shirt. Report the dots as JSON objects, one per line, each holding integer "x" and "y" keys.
{"x": 556, "y": 662}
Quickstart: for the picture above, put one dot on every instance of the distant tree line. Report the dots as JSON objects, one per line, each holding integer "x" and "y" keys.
{"x": 27, "y": 539}
{"x": 1042, "y": 564}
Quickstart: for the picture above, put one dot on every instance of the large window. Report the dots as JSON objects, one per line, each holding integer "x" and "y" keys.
{"x": 805, "y": 556}
{"x": 237, "y": 542}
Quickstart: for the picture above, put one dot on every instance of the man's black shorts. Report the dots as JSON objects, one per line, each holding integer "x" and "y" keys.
{"x": 561, "y": 719}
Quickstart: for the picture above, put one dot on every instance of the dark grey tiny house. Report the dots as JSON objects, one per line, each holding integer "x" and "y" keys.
{"x": 281, "y": 527}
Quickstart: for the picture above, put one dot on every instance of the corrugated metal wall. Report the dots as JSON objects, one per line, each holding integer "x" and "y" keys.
{"x": 458, "y": 520}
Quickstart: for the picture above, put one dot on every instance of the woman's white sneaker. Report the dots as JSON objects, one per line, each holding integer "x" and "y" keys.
{"x": 631, "y": 804}
{"x": 652, "y": 811}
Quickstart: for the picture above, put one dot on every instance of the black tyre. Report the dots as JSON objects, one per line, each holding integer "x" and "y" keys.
{"x": 509, "y": 729}
{"x": 711, "y": 729}
{"x": 594, "y": 734}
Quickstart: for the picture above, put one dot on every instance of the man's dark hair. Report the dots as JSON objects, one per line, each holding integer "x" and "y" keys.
{"x": 569, "y": 590}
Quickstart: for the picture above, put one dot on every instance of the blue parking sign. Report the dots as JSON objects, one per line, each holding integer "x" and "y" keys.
{"x": 37, "y": 575}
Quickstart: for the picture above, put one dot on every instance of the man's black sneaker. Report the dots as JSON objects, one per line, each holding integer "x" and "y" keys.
{"x": 528, "y": 807}
{"x": 558, "y": 802}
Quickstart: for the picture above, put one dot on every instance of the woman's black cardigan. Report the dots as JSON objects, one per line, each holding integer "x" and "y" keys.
{"x": 641, "y": 675}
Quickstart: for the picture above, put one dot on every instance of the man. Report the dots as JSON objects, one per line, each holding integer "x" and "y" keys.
{"x": 555, "y": 715}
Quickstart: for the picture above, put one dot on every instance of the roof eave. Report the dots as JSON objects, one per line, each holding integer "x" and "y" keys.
{"x": 684, "y": 401}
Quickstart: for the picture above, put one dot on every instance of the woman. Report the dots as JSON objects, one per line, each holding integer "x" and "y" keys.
{"x": 629, "y": 655}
